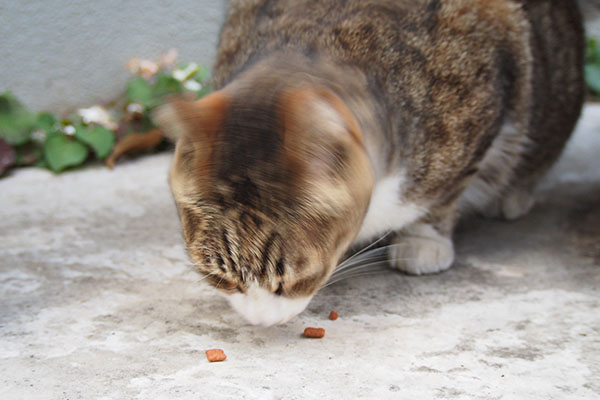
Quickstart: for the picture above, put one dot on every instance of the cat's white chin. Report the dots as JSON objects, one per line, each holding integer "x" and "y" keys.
{"x": 261, "y": 307}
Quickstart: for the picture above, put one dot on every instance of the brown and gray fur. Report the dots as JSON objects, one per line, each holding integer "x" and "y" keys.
{"x": 469, "y": 101}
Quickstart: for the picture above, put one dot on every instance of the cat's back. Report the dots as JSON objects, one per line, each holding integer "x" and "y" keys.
{"x": 396, "y": 33}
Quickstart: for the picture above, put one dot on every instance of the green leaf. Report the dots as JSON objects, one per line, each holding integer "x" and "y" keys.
{"x": 16, "y": 122}
{"x": 139, "y": 91}
{"x": 61, "y": 151}
{"x": 45, "y": 121}
{"x": 592, "y": 77}
{"x": 41, "y": 163}
{"x": 592, "y": 52}
{"x": 97, "y": 137}
{"x": 165, "y": 85}
{"x": 203, "y": 74}
{"x": 126, "y": 127}
{"x": 589, "y": 49}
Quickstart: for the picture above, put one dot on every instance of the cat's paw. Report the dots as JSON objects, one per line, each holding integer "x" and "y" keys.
{"x": 517, "y": 203}
{"x": 513, "y": 205}
{"x": 421, "y": 250}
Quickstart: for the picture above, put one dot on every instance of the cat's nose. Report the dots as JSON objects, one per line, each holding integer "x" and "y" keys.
{"x": 261, "y": 307}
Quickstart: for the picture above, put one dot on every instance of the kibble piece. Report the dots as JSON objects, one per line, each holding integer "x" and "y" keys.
{"x": 316, "y": 333}
{"x": 214, "y": 355}
{"x": 333, "y": 315}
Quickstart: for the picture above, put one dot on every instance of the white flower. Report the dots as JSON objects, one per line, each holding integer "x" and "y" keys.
{"x": 146, "y": 68}
{"x": 183, "y": 74}
{"x": 69, "y": 130}
{"x": 135, "y": 108}
{"x": 97, "y": 115}
{"x": 192, "y": 85}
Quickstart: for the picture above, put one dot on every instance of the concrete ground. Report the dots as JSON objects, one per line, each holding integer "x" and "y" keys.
{"x": 98, "y": 301}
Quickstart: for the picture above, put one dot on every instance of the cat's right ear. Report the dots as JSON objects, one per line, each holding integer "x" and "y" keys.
{"x": 198, "y": 119}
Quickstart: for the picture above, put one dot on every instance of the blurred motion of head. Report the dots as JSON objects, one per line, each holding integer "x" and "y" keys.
{"x": 271, "y": 183}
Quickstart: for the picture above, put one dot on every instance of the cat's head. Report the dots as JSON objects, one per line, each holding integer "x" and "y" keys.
{"x": 271, "y": 189}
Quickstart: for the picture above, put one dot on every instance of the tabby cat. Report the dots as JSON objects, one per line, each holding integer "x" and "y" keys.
{"x": 336, "y": 121}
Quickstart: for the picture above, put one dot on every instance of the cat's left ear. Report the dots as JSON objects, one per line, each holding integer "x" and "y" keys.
{"x": 188, "y": 119}
{"x": 323, "y": 142}
{"x": 310, "y": 108}
{"x": 320, "y": 133}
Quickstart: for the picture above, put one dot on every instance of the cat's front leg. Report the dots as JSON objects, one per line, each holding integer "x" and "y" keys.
{"x": 422, "y": 248}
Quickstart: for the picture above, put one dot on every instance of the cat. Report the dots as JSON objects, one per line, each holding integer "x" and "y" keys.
{"x": 335, "y": 121}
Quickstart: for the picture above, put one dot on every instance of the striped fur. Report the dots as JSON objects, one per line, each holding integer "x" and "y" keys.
{"x": 343, "y": 119}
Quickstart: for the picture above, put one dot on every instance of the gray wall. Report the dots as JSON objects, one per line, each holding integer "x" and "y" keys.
{"x": 60, "y": 54}
{"x": 591, "y": 13}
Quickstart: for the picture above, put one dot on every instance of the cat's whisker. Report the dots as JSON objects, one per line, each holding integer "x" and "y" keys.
{"x": 370, "y": 271}
{"x": 203, "y": 248}
{"x": 378, "y": 252}
{"x": 360, "y": 268}
{"x": 360, "y": 259}
{"x": 361, "y": 262}
{"x": 202, "y": 265}
{"x": 221, "y": 280}
{"x": 372, "y": 266}
{"x": 206, "y": 276}
{"x": 365, "y": 248}
{"x": 361, "y": 274}
{"x": 365, "y": 267}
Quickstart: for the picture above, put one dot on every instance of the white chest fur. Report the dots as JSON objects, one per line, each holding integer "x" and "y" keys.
{"x": 387, "y": 210}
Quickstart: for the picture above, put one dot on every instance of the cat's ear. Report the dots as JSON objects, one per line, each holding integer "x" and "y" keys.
{"x": 323, "y": 143}
{"x": 320, "y": 133}
{"x": 192, "y": 119}
{"x": 310, "y": 109}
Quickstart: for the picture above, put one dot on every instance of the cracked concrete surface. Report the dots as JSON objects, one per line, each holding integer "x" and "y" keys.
{"x": 100, "y": 302}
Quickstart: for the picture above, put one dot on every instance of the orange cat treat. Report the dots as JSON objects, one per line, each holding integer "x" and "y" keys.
{"x": 316, "y": 333}
{"x": 214, "y": 355}
{"x": 333, "y": 315}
